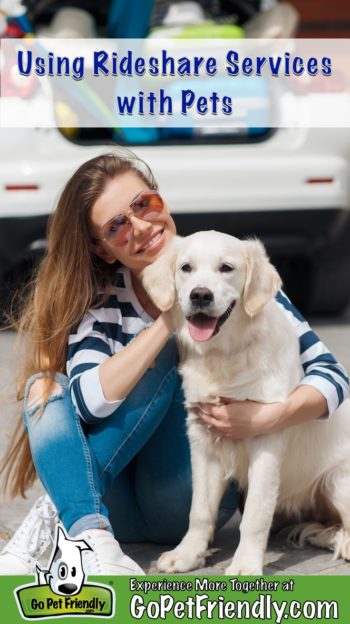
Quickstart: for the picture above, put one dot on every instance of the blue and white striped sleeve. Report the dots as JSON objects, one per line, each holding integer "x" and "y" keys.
{"x": 88, "y": 348}
{"x": 321, "y": 369}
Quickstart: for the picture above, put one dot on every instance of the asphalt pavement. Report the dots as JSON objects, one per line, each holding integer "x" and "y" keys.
{"x": 280, "y": 558}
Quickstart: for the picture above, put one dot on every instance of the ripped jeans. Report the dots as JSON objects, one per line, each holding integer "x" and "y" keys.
{"x": 129, "y": 473}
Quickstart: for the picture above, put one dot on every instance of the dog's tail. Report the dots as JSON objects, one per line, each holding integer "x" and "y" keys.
{"x": 317, "y": 534}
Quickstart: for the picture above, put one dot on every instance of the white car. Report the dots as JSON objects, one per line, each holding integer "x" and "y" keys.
{"x": 289, "y": 187}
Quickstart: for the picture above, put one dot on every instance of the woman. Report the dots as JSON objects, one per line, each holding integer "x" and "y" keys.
{"x": 118, "y": 424}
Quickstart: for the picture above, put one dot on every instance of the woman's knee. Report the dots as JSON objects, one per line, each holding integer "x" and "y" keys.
{"x": 41, "y": 389}
{"x": 40, "y": 392}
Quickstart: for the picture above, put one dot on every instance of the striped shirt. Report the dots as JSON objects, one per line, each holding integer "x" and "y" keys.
{"x": 108, "y": 329}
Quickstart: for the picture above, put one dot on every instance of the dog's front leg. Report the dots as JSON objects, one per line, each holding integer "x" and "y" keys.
{"x": 265, "y": 455}
{"x": 208, "y": 487}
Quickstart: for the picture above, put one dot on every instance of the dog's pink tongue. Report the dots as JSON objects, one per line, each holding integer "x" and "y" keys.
{"x": 201, "y": 327}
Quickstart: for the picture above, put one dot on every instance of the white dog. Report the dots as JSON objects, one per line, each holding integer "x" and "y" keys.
{"x": 236, "y": 342}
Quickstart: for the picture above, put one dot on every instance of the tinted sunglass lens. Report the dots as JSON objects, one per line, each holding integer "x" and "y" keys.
{"x": 148, "y": 204}
{"x": 116, "y": 229}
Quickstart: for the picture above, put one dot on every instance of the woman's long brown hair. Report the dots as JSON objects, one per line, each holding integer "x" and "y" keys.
{"x": 69, "y": 281}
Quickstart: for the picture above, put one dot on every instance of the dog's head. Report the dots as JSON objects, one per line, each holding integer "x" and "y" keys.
{"x": 208, "y": 275}
{"x": 66, "y": 574}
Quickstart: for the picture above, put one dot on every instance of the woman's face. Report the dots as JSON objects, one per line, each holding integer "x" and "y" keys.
{"x": 139, "y": 251}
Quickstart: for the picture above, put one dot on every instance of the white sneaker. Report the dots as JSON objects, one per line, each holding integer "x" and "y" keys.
{"x": 31, "y": 539}
{"x": 106, "y": 556}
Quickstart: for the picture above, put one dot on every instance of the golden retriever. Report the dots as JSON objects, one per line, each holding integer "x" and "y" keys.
{"x": 236, "y": 342}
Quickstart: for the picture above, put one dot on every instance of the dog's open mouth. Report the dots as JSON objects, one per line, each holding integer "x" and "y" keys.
{"x": 203, "y": 327}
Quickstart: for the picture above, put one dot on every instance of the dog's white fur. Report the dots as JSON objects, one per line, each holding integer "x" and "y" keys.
{"x": 255, "y": 355}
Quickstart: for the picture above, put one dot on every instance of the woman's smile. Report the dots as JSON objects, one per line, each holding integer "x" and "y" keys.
{"x": 152, "y": 244}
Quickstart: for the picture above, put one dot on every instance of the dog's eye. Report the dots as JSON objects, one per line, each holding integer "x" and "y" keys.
{"x": 62, "y": 571}
{"x": 74, "y": 571}
{"x": 226, "y": 268}
{"x": 186, "y": 268}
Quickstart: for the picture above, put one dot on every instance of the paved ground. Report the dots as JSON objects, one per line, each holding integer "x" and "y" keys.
{"x": 280, "y": 559}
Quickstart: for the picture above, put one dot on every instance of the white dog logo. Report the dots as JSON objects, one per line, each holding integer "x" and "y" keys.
{"x": 65, "y": 574}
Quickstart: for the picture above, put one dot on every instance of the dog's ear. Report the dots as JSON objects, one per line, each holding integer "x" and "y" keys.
{"x": 262, "y": 280}
{"x": 159, "y": 277}
{"x": 41, "y": 576}
{"x": 61, "y": 537}
{"x": 82, "y": 545}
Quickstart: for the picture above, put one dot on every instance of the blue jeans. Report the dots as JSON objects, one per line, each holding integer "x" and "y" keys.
{"x": 129, "y": 473}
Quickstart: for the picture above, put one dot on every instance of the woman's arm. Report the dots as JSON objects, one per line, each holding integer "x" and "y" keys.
{"x": 101, "y": 368}
{"x": 321, "y": 369}
{"x": 120, "y": 373}
{"x": 247, "y": 419}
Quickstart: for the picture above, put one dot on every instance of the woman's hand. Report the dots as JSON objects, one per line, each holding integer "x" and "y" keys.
{"x": 240, "y": 419}
{"x": 246, "y": 419}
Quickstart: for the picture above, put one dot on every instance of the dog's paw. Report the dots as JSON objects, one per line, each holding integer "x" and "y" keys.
{"x": 179, "y": 561}
{"x": 243, "y": 570}
{"x": 247, "y": 565}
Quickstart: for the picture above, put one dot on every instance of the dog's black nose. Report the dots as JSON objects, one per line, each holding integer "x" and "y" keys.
{"x": 67, "y": 588}
{"x": 201, "y": 297}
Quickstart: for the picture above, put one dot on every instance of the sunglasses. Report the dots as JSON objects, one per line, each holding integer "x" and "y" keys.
{"x": 146, "y": 206}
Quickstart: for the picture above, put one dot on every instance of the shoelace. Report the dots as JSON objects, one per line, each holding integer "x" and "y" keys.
{"x": 37, "y": 530}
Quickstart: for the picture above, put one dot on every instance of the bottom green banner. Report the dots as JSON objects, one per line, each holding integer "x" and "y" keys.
{"x": 172, "y": 599}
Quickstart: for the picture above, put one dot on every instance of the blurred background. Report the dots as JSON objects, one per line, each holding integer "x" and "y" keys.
{"x": 289, "y": 187}
{"x": 319, "y": 18}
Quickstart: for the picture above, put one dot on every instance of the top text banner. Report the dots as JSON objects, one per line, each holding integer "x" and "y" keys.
{"x": 175, "y": 83}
